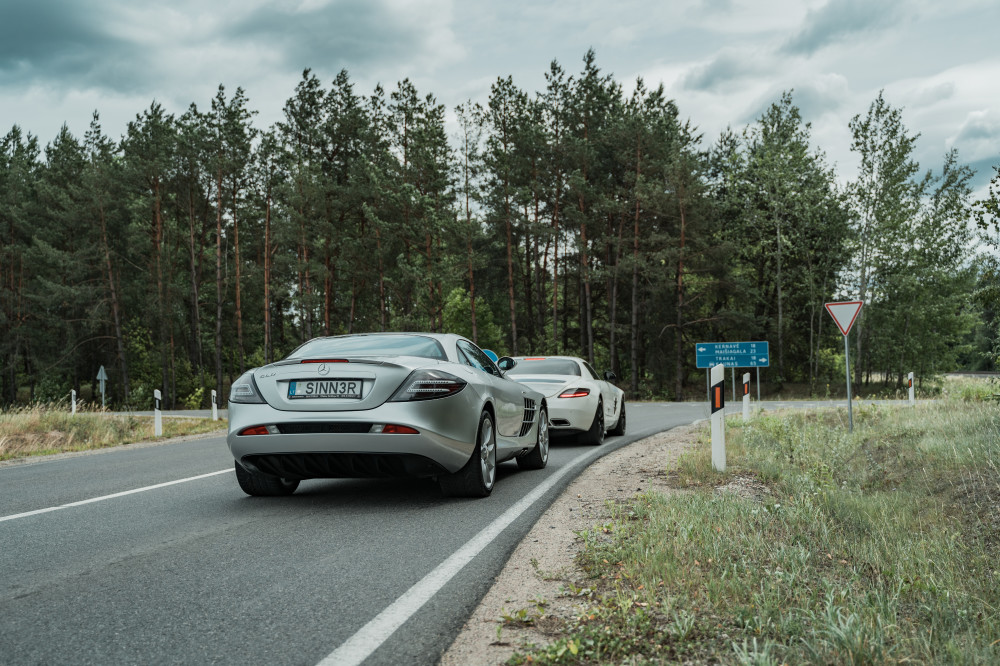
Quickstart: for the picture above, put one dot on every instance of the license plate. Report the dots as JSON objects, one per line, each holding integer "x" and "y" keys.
{"x": 325, "y": 388}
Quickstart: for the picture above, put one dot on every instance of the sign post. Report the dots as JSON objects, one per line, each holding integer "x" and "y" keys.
{"x": 157, "y": 415}
{"x": 102, "y": 376}
{"x": 746, "y": 396}
{"x": 215, "y": 407}
{"x": 910, "y": 383}
{"x": 844, "y": 313}
{"x": 718, "y": 408}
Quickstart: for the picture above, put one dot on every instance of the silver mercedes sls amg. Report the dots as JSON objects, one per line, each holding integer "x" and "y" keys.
{"x": 383, "y": 405}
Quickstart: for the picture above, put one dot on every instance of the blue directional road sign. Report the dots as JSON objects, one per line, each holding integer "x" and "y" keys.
{"x": 732, "y": 354}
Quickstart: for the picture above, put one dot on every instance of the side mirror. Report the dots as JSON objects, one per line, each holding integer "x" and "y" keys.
{"x": 610, "y": 376}
{"x": 506, "y": 363}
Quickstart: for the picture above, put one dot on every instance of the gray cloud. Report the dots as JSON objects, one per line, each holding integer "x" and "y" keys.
{"x": 933, "y": 94}
{"x": 64, "y": 43}
{"x": 980, "y": 128}
{"x": 343, "y": 34}
{"x": 727, "y": 67}
{"x": 814, "y": 99}
{"x": 984, "y": 171}
{"x": 839, "y": 20}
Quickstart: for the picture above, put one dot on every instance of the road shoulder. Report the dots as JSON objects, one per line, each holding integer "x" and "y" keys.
{"x": 543, "y": 565}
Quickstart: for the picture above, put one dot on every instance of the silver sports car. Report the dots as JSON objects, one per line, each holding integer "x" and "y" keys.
{"x": 383, "y": 405}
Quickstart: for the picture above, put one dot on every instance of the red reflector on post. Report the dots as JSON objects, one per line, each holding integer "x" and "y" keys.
{"x": 390, "y": 429}
{"x": 255, "y": 430}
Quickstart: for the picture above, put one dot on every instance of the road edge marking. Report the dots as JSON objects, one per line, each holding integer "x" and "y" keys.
{"x": 372, "y": 635}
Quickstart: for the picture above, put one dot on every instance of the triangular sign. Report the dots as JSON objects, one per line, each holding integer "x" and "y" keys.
{"x": 844, "y": 313}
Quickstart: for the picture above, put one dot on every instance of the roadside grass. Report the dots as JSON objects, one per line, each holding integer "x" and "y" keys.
{"x": 815, "y": 546}
{"x": 47, "y": 429}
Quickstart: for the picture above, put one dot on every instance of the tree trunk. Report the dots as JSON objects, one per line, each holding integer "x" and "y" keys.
{"x": 115, "y": 308}
{"x": 510, "y": 275}
{"x": 239, "y": 308}
{"x": 679, "y": 334}
{"x": 267, "y": 278}
{"x": 218, "y": 285}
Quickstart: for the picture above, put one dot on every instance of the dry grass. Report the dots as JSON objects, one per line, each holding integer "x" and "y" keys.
{"x": 43, "y": 430}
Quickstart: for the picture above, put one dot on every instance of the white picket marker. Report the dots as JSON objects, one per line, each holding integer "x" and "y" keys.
{"x": 717, "y": 405}
{"x": 157, "y": 415}
{"x": 215, "y": 407}
{"x": 746, "y": 396}
{"x": 913, "y": 400}
{"x": 72, "y": 401}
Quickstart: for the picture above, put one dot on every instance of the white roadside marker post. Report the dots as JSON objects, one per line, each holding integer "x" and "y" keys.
{"x": 913, "y": 400}
{"x": 157, "y": 415}
{"x": 746, "y": 396}
{"x": 72, "y": 401}
{"x": 215, "y": 407}
{"x": 102, "y": 377}
{"x": 718, "y": 417}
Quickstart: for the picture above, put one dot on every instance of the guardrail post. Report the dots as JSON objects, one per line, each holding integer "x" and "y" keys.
{"x": 718, "y": 417}
{"x": 157, "y": 415}
{"x": 215, "y": 407}
{"x": 746, "y": 396}
{"x": 72, "y": 401}
{"x": 913, "y": 400}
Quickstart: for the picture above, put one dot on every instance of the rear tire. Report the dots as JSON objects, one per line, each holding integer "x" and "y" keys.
{"x": 264, "y": 485}
{"x": 595, "y": 436}
{"x": 619, "y": 428}
{"x": 538, "y": 457}
{"x": 477, "y": 477}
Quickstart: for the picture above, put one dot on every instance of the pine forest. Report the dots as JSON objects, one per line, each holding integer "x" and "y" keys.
{"x": 589, "y": 218}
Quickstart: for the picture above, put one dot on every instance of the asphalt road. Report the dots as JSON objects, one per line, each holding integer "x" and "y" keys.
{"x": 154, "y": 555}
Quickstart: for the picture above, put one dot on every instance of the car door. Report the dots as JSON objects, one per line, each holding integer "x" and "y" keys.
{"x": 508, "y": 395}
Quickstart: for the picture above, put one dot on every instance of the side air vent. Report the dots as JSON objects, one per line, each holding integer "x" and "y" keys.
{"x": 529, "y": 417}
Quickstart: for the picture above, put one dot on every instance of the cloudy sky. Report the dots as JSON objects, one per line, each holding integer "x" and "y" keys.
{"x": 723, "y": 61}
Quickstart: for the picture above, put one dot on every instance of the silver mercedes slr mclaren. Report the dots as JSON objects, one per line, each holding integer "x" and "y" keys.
{"x": 383, "y": 405}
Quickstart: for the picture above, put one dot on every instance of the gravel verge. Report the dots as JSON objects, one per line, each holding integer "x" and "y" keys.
{"x": 545, "y": 561}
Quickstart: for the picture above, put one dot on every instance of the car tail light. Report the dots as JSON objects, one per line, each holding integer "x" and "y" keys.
{"x": 428, "y": 385}
{"x": 245, "y": 390}
{"x": 325, "y": 360}
{"x": 575, "y": 393}
{"x": 260, "y": 430}
{"x": 392, "y": 429}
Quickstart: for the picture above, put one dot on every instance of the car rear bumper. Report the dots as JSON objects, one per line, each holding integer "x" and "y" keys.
{"x": 341, "y": 444}
{"x": 569, "y": 415}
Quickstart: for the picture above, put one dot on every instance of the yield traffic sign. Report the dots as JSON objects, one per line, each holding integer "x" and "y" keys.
{"x": 844, "y": 313}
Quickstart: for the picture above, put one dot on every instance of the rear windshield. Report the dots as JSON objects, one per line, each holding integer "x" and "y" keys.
{"x": 547, "y": 366}
{"x": 371, "y": 345}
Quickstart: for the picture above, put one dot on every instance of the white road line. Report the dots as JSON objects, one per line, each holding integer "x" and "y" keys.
{"x": 370, "y": 637}
{"x": 107, "y": 497}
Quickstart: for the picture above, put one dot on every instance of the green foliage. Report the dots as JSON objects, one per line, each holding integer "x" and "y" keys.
{"x": 458, "y": 319}
{"x": 586, "y": 219}
{"x": 816, "y": 546}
